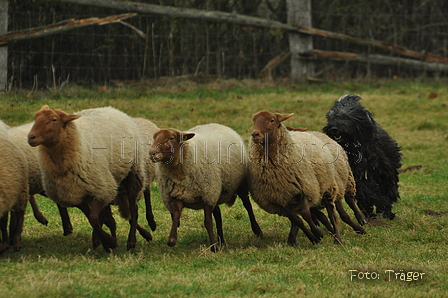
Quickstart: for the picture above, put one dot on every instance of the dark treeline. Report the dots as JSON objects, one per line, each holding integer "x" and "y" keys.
{"x": 176, "y": 47}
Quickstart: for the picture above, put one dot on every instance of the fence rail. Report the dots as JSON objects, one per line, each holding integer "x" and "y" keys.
{"x": 171, "y": 41}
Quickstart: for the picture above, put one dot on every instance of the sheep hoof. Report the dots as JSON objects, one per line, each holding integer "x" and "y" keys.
{"x": 130, "y": 247}
{"x": 152, "y": 225}
{"x": 214, "y": 247}
{"x": 171, "y": 242}
{"x": 145, "y": 234}
{"x": 42, "y": 219}
{"x": 361, "y": 231}
{"x": 67, "y": 232}
{"x": 96, "y": 243}
{"x": 363, "y": 222}
{"x": 17, "y": 248}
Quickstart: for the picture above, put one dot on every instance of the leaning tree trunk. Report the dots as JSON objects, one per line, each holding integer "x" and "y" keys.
{"x": 3, "y": 49}
{"x": 299, "y": 14}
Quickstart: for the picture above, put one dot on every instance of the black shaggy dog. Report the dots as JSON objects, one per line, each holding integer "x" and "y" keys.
{"x": 373, "y": 154}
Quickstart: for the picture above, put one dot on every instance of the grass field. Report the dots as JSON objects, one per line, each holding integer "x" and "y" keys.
{"x": 406, "y": 257}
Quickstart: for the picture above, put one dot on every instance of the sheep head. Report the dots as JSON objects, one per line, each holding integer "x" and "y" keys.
{"x": 48, "y": 126}
{"x": 167, "y": 146}
{"x": 266, "y": 127}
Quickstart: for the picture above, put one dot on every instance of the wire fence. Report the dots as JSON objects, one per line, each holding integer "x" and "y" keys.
{"x": 181, "y": 47}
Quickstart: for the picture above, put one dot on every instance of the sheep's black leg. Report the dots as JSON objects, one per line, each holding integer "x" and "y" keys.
{"x": 319, "y": 215}
{"x": 208, "y": 223}
{"x": 346, "y": 218}
{"x": 350, "y": 200}
{"x": 176, "y": 211}
{"x": 293, "y": 234}
{"x": 306, "y": 214}
{"x": 65, "y": 219}
{"x": 218, "y": 220}
{"x": 149, "y": 213}
{"x": 4, "y": 230}
{"x": 109, "y": 221}
{"x": 242, "y": 193}
{"x": 16, "y": 227}
{"x": 93, "y": 214}
{"x": 85, "y": 208}
{"x": 331, "y": 210}
{"x": 36, "y": 212}
{"x": 297, "y": 221}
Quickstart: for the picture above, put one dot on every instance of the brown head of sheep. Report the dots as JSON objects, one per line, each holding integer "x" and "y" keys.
{"x": 48, "y": 127}
{"x": 168, "y": 148}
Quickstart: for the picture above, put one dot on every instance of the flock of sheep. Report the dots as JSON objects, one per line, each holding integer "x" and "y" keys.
{"x": 98, "y": 157}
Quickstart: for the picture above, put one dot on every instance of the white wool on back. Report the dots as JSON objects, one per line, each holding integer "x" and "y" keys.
{"x": 3, "y": 130}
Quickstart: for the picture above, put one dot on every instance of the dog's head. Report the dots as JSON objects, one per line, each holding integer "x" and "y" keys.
{"x": 348, "y": 122}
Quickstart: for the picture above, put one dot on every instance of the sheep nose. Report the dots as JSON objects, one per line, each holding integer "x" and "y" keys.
{"x": 255, "y": 134}
{"x": 334, "y": 130}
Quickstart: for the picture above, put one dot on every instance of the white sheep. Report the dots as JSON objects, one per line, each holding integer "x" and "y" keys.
{"x": 13, "y": 190}
{"x": 201, "y": 169}
{"x": 291, "y": 172}
{"x": 89, "y": 160}
{"x": 19, "y": 136}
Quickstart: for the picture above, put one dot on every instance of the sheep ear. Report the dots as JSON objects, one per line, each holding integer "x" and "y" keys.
{"x": 44, "y": 107}
{"x": 283, "y": 117}
{"x": 67, "y": 118}
{"x": 187, "y": 136}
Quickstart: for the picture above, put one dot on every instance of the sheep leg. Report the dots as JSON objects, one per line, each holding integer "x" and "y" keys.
{"x": 306, "y": 214}
{"x": 331, "y": 210}
{"x": 349, "y": 199}
{"x": 133, "y": 223}
{"x": 85, "y": 208}
{"x": 4, "y": 228}
{"x": 242, "y": 193}
{"x": 208, "y": 223}
{"x": 37, "y": 214}
{"x": 346, "y": 218}
{"x": 65, "y": 219}
{"x": 149, "y": 213}
{"x": 297, "y": 221}
{"x": 109, "y": 221}
{"x": 176, "y": 211}
{"x": 15, "y": 229}
{"x": 93, "y": 214}
{"x": 320, "y": 216}
{"x": 218, "y": 219}
{"x": 293, "y": 234}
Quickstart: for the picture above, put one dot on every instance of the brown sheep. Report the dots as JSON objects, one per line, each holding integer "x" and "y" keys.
{"x": 293, "y": 172}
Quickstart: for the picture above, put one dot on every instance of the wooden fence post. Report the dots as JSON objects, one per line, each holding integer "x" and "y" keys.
{"x": 4, "y": 48}
{"x": 299, "y": 13}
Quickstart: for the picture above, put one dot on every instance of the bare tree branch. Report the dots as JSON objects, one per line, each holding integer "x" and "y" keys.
{"x": 60, "y": 27}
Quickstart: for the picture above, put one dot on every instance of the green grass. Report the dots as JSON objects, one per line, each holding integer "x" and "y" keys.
{"x": 51, "y": 265}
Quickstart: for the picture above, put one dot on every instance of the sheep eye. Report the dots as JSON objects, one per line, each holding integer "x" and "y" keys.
{"x": 54, "y": 120}
{"x": 272, "y": 121}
